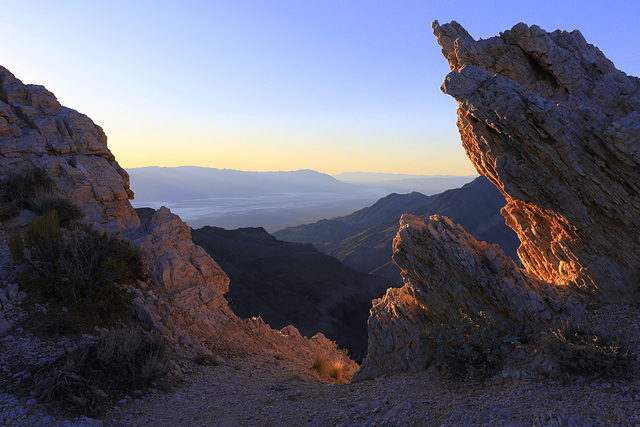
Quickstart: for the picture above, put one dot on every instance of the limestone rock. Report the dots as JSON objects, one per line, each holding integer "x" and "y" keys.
{"x": 36, "y": 131}
{"x": 550, "y": 120}
{"x": 446, "y": 270}
{"x": 185, "y": 301}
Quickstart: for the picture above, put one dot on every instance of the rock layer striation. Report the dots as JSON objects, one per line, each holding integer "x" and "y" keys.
{"x": 556, "y": 127}
{"x": 550, "y": 120}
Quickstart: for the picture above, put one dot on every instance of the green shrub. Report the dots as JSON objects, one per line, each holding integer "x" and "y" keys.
{"x": 469, "y": 347}
{"x": 42, "y": 228}
{"x": 83, "y": 269}
{"x": 16, "y": 246}
{"x": 66, "y": 209}
{"x": 579, "y": 352}
{"x": 81, "y": 381}
{"x": 21, "y": 186}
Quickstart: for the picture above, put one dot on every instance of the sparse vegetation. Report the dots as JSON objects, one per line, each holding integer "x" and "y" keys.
{"x": 82, "y": 381}
{"x": 325, "y": 366}
{"x": 19, "y": 187}
{"x": 33, "y": 189}
{"x": 8, "y": 210}
{"x": 42, "y": 228}
{"x": 66, "y": 209}
{"x": 579, "y": 352}
{"x": 16, "y": 246}
{"x": 470, "y": 347}
{"x": 82, "y": 269}
{"x": 336, "y": 369}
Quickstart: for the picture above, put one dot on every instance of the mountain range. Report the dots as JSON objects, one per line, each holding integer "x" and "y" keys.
{"x": 363, "y": 239}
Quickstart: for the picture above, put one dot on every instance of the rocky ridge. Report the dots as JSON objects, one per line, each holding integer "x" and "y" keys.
{"x": 551, "y": 122}
{"x": 184, "y": 296}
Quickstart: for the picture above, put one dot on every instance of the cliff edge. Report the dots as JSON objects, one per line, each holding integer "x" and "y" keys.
{"x": 549, "y": 120}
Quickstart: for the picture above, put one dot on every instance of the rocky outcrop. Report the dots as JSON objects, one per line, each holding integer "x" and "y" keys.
{"x": 36, "y": 131}
{"x": 185, "y": 301}
{"x": 551, "y": 122}
{"x": 184, "y": 295}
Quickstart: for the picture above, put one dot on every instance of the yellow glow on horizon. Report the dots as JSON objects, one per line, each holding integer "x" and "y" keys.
{"x": 284, "y": 156}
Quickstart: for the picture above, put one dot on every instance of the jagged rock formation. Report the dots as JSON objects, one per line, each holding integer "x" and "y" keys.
{"x": 551, "y": 122}
{"x": 445, "y": 270}
{"x": 184, "y": 297}
{"x": 36, "y": 131}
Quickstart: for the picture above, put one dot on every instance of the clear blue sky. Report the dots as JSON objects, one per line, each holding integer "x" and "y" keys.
{"x": 331, "y": 85}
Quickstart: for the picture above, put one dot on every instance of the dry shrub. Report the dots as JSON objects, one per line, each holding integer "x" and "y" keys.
{"x": 9, "y": 210}
{"x": 16, "y": 246}
{"x": 42, "y": 228}
{"x": 321, "y": 363}
{"x": 327, "y": 367}
{"x": 19, "y": 187}
{"x": 206, "y": 360}
{"x": 470, "y": 347}
{"x": 580, "y": 352}
{"x": 81, "y": 381}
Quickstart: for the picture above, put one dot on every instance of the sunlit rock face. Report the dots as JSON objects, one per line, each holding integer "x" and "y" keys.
{"x": 550, "y": 120}
{"x": 36, "y": 131}
{"x": 184, "y": 300}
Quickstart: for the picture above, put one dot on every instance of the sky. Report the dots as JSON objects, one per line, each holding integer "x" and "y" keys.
{"x": 271, "y": 85}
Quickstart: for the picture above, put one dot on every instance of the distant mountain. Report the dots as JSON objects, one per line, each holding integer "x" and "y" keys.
{"x": 156, "y": 183}
{"x": 401, "y": 183}
{"x": 233, "y": 199}
{"x": 293, "y": 283}
{"x": 363, "y": 239}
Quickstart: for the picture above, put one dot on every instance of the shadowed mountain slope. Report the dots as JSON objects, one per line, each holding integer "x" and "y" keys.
{"x": 292, "y": 283}
{"x": 363, "y": 239}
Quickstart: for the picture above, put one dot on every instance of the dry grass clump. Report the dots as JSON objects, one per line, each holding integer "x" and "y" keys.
{"x": 19, "y": 187}
{"x": 83, "y": 380}
{"x": 207, "y": 360}
{"x": 66, "y": 209}
{"x": 580, "y": 352}
{"x": 327, "y": 367}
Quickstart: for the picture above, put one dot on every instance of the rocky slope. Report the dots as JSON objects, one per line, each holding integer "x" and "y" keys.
{"x": 292, "y": 283}
{"x": 551, "y": 122}
{"x": 36, "y": 131}
{"x": 184, "y": 296}
{"x": 363, "y": 240}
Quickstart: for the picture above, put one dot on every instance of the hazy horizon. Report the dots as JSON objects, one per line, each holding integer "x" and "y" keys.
{"x": 331, "y": 86}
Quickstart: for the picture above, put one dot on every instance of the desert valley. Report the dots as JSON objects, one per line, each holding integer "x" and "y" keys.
{"x": 197, "y": 296}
